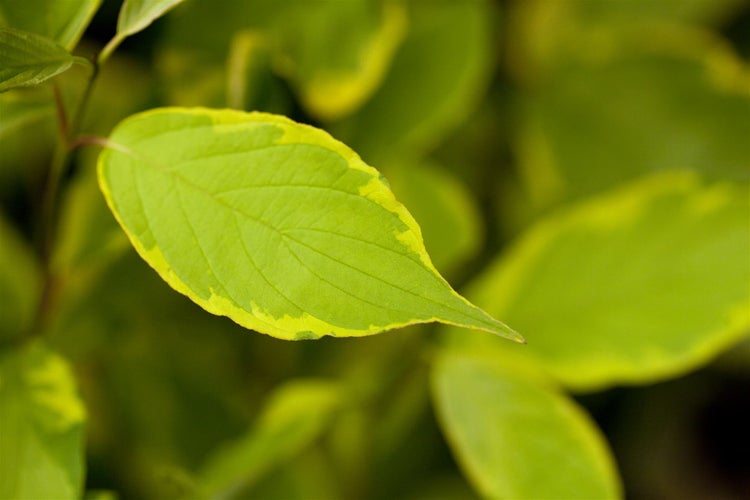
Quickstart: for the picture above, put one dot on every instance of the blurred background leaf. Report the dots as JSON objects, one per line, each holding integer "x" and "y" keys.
{"x": 517, "y": 439}
{"x": 63, "y": 22}
{"x": 41, "y": 426}
{"x": 647, "y": 282}
{"x": 437, "y": 77}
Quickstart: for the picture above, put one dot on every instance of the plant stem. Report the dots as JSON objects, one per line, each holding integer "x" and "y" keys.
{"x": 108, "y": 49}
{"x": 52, "y": 183}
{"x": 63, "y": 126}
{"x": 77, "y": 121}
{"x": 49, "y": 198}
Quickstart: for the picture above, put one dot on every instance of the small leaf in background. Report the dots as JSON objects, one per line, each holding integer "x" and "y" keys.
{"x": 63, "y": 21}
{"x": 294, "y": 417}
{"x": 438, "y": 73}
{"x": 28, "y": 59}
{"x": 135, "y": 16}
{"x": 20, "y": 283}
{"x": 41, "y": 426}
{"x": 274, "y": 224}
{"x": 637, "y": 285}
{"x": 336, "y": 53}
{"x": 516, "y": 439}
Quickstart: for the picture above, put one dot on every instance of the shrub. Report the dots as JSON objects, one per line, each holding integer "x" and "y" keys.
{"x": 578, "y": 169}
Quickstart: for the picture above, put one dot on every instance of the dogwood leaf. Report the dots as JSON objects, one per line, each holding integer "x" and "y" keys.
{"x": 274, "y": 224}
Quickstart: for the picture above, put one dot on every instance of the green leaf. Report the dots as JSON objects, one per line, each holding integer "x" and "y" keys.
{"x": 27, "y": 59}
{"x": 437, "y": 75}
{"x": 61, "y": 20}
{"x": 274, "y": 224}
{"x": 41, "y": 426}
{"x": 135, "y": 16}
{"x": 517, "y": 439}
{"x": 693, "y": 112}
{"x": 294, "y": 417}
{"x": 640, "y": 284}
{"x": 337, "y": 53}
{"x": 20, "y": 283}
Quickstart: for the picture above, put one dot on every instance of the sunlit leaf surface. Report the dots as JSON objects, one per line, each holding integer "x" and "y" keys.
{"x": 274, "y": 224}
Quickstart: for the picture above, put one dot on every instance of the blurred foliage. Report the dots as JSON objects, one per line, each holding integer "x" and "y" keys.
{"x": 584, "y": 165}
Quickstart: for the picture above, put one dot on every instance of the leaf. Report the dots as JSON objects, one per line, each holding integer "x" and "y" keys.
{"x": 41, "y": 426}
{"x": 336, "y": 54}
{"x": 693, "y": 113}
{"x": 517, "y": 439}
{"x": 547, "y": 36}
{"x": 640, "y": 284}
{"x": 135, "y": 16}
{"x": 275, "y": 225}
{"x": 294, "y": 417}
{"x": 437, "y": 75}
{"x": 62, "y": 21}
{"x": 20, "y": 283}
{"x": 27, "y": 59}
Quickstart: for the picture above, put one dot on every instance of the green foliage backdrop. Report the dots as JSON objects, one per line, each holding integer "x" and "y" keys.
{"x": 186, "y": 186}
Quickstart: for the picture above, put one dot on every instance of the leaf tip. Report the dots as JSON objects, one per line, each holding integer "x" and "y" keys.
{"x": 510, "y": 334}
